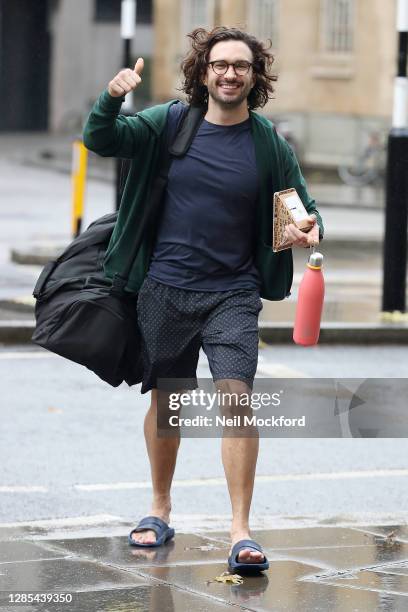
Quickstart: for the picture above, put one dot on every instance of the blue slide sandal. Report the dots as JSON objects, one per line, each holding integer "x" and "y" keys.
{"x": 237, "y": 567}
{"x": 162, "y": 530}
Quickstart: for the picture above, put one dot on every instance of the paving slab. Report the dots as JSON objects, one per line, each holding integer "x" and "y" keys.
{"x": 393, "y": 586}
{"x": 349, "y": 558}
{"x": 281, "y": 588}
{"x": 312, "y": 568}
{"x": 312, "y": 537}
{"x": 11, "y": 552}
{"x": 162, "y": 598}
{"x": 143, "y": 598}
{"x": 400, "y": 569}
{"x": 398, "y": 532}
{"x": 184, "y": 549}
{"x": 63, "y": 574}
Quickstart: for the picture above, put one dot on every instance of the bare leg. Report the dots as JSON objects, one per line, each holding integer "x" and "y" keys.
{"x": 162, "y": 455}
{"x": 239, "y": 457}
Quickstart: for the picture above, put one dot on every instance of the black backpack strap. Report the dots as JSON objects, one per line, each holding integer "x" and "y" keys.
{"x": 189, "y": 127}
{"x": 179, "y": 147}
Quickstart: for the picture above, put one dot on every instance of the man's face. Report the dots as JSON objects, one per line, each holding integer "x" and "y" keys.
{"x": 229, "y": 90}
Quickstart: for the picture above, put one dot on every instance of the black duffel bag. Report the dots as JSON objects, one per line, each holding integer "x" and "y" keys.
{"x": 79, "y": 317}
{"x": 87, "y": 318}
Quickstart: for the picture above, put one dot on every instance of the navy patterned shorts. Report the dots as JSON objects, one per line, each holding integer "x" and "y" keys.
{"x": 175, "y": 323}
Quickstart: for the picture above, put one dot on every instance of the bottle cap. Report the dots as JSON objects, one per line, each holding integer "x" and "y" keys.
{"x": 316, "y": 260}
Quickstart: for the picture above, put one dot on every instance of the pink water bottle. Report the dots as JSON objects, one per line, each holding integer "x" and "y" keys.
{"x": 310, "y": 303}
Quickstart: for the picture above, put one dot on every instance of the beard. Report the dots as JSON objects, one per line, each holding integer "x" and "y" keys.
{"x": 226, "y": 99}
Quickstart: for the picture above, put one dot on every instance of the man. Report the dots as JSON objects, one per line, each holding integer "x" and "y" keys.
{"x": 200, "y": 273}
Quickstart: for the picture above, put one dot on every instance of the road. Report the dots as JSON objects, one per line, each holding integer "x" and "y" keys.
{"x": 72, "y": 446}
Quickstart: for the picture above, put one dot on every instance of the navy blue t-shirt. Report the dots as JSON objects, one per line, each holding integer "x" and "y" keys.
{"x": 206, "y": 234}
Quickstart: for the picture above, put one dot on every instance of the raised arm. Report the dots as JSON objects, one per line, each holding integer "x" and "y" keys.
{"x": 108, "y": 133}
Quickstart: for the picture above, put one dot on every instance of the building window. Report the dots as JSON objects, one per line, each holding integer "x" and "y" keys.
{"x": 108, "y": 11}
{"x": 197, "y": 13}
{"x": 337, "y": 26}
{"x": 263, "y": 20}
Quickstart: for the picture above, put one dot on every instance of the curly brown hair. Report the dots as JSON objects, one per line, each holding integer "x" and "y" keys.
{"x": 194, "y": 65}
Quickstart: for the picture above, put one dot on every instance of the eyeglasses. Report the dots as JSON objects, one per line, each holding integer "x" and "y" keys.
{"x": 221, "y": 67}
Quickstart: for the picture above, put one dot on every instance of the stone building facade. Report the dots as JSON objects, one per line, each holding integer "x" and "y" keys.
{"x": 335, "y": 60}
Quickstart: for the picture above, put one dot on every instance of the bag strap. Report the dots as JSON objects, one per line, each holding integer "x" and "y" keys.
{"x": 178, "y": 148}
{"x": 188, "y": 129}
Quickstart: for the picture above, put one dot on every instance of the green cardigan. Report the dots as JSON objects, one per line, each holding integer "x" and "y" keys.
{"x": 138, "y": 137}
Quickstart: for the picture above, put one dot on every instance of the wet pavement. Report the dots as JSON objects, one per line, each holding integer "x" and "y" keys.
{"x": 317, "y": 568}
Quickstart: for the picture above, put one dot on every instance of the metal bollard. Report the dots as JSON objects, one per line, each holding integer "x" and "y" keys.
{"x": 79, "y": 167}
{"x": 396, "y": 217}
{"x": 396, "y": 209}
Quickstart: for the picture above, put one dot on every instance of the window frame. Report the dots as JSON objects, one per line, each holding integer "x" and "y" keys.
{"x": 332, "y": 33}
{"x": 256, "y": 20}
{"x": 189, "y": 23}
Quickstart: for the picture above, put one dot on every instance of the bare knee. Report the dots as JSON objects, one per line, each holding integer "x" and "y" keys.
{"x": 234, "y": 397}
{"x": 160, "y": 410}
{"x": 153, "y": 401}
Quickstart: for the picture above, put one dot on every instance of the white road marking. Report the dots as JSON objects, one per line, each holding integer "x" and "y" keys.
{"x": 208, "y": 482}
{"x": 115, "y": 486}
{"x": 23, "y": 489}
{"x": 75, "y": 521}
{"x": 214, "y": 482}
{"x": 273, "y": 370}
{"x": 27, "y": 355}
{"x": 335, "y": 475}
{"x": 278, "y": 370}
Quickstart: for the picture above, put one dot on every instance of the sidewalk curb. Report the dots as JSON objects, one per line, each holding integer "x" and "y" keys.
{"x": 16, "y": 332}
{"x": 40, "y": 256}
{"x": 18, "y": 306}
{"x": 20, "y": 332}
{"x": 192, "y": 524}
{"x": 339, "y": 333}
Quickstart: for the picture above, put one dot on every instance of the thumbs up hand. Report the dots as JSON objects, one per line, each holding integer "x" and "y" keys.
{"x": 126, "y": 80}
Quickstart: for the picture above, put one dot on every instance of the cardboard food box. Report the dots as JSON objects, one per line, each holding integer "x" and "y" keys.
{"x": 287, "y": 208}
